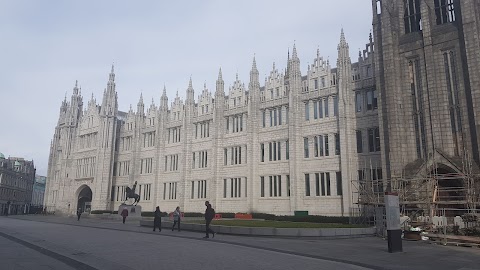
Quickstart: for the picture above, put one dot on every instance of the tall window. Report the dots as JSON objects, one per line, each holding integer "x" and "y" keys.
{"x": 359, "y": 141}
{"x": 417, "y": 102}
{"x": 445, "y": 11}
{"x": 305, "y": 147}
{"x": 412, "y": 17}
{"x": 374, "y": 140}
{"x": 315, "y": 110}
{"x": 339, "y": 183}
{"x": 453, "y": 99}
{"x": 326, "y": 106}
{"x": 337, "y": 144}
{"x": 335, "y": 106}
{"x": 307, "y": 184}
{"x": 369, "y": 100}
{"x": 358, "y": 101}
{"x": 287, "y": 150}
{"x": 307, "y": 111}
{"x": 263, "y": 118}
{"x": 262, "y": 152}
{"x": 262, "y": 186}
{"x": 327, "y": 151}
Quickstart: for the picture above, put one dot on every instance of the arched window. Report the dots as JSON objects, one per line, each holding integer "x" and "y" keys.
{"x": 445, "y": 11}
{"x": 412, "y": 17}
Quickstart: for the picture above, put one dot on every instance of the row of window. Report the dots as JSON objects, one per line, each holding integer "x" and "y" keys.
{"x": 85, "y": 167}
{"x": 171, "y": 163}
{"x": 235, "y": 155}
{"x": 202, "y": 130}
{"x": 200, "y": 159}
{"x": 274, "y": 151}
{"x": 121, "y": 168}
{"x": 234, "y": 185}
{"x": 322, "y": 184}
{"x": 88, "y": 140}
{"x": 369, "y": 98}
{"x": 126, "y": 143}
{"x": 321, "y": 145}
{"x": 444, "y": 12}
{"x": 275, "y": 114}
{"x": 149, "y": 139}
{"x": 201, "y": 189}
{"x": 119, "y": 192}
{"x": 174, "y": 135}
{"x": 146, "y": 165}
{"x": 373, "y": 140}
{"x": 10, "y": 180}
{"x": 321, "y": 108}
{"x": 275, "y": 186}
{"x": 172, "y": 191}
{"x": 235, "y": 123}
{"x": 12, "y": 194}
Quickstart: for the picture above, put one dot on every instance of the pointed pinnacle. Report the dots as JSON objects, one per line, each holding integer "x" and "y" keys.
{"x": 236, "y": 77}
{"x": 164, "y": 90}
{"x": 76, "y": 83}
{"x": 113, "y": 69}
{"x": 254, "y": 64}
{"x": 190, "y": 83}
{"x": 220, "y": 75}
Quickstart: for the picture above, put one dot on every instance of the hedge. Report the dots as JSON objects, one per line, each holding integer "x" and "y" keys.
{"x": 152, "y": 214}
{"x": 101, "y": 212}
{"x": 313, "y": 219}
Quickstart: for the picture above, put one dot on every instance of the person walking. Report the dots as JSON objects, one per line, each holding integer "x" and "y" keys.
{"x": 79, "y": 213}
{"x": 157, "y": 221}
{"x": 124, "y": 214}
{"x": 209, "y": 215}
{"x": 176, "y": 218}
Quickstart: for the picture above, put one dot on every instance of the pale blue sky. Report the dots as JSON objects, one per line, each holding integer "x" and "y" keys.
{"x": 46, "y": 45}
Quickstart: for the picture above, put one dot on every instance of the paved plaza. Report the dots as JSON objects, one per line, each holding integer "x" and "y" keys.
{"x": 47, "y": 242}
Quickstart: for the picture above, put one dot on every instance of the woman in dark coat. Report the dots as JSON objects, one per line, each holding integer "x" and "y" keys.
{"x": 157, "y": 221}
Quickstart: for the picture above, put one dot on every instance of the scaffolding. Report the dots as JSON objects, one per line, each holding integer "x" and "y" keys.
{"x": 435, "y": 191}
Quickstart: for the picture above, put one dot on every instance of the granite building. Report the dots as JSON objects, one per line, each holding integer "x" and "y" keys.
{"x": 17, "y": 176}
{"x": 290, "y": 144}
{"x": 427, "y": 65}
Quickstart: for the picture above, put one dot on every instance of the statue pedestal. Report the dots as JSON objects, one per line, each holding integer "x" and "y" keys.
{"x": 134, "y": 211}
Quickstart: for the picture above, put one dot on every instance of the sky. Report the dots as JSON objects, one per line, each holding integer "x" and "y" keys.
{"x": 45, "y": 46}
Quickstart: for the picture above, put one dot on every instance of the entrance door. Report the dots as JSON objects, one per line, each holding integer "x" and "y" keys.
{"x": 85, "y": 199}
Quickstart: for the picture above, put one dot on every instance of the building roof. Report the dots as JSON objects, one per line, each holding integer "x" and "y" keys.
{"x": 2, "y": 156}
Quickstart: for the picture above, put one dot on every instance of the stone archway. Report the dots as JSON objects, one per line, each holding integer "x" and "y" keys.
{"x": 84, "y": 198}
{"x": 451, "y": 193}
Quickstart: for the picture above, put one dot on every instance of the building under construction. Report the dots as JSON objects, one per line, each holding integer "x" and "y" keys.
{"x": 424, "y": 189}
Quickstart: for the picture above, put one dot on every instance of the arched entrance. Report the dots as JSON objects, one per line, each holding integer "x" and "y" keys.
{"x": 84, "y": 198}
{"x": 450, "y": 190}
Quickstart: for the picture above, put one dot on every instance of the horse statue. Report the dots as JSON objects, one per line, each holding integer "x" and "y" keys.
{"x": 130, "y": 192}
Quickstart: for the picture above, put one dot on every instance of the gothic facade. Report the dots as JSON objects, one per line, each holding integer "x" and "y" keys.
{"x": 428, "y": 80}
{"x": 291, "y": 144}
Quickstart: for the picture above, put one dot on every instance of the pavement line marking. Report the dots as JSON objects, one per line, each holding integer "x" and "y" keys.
{"x": 68, "y": 261}
{"x": 373, "y": 267}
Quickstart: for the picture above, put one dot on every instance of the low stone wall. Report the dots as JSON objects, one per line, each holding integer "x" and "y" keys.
{"x": 260, "y": 231}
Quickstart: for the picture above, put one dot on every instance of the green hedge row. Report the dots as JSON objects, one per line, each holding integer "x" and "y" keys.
{"x": 152, "y": 214}
{"x": 102, "y": 212}
{"x": 313, "y": 219}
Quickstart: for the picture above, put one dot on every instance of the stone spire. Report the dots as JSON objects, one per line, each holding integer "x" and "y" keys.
{"x": 294, "y": 65}
{"x": 343, "y": 50}
{"x": 254, "y": 84}
{"x": 190, "y": 93}
{"x": 141, "y": 105}
{"x": 220, "y": 89}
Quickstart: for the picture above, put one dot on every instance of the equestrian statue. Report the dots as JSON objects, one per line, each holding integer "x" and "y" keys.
{"x": 130, "y": 192}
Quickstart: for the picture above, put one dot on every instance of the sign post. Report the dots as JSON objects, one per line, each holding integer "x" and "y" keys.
{"x": 394, "y": 233}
